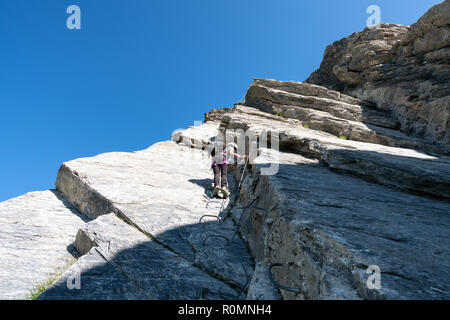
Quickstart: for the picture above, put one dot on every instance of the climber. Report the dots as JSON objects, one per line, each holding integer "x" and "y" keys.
{"x": 222, "y": 156}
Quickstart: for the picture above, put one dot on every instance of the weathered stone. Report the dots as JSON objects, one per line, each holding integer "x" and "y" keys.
{"x": 136, "y": 267}
{"x": 265, "y": 98}
{"x": 352, "y": 194}
{"x": 405, "y": 169}
{"x": 326, "y": 232}
{"x": 327, "y": 110}
{"x": 352, "y": 55}
{"x": 261, "y": 288}
{"x": 307, "y": 89}
{"x": 404, "y": 70}
{"x": 98, "y": 280}
{"x": 358, "y": 131}
{"x": 418, "y": 175}
{"x": 37, "y": 232}
{"x": 161, "y": 191}
{"x": 197, "y": 136}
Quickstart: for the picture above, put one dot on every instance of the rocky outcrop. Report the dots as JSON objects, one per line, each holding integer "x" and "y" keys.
{"x": 359, "y": 181}
{"x": 315, "y": 234}
{"x": 123, "y": 263}
{"x": 163, "y": 192}
{"x": 327, "y": 110}
{"x": 36, "y": 241}
{"x": 403, "y": 70}
{"x": 326, "y": 232}
{"x": 258, "y": 94}
{"x": 405, "y": 169}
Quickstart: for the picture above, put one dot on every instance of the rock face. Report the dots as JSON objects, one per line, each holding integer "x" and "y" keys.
{"x": 404, "y": 169}
{"x": 403, "y": 70}
{"x": 300, "y": 220}
{"x": 326, "y": 233}
{"x": 161, "y": 192}
{"x": 347, "y": 198}
{"x": 36, "y": 240}
{"x": 327, "y": 110}
{"x": 123, "y": 263}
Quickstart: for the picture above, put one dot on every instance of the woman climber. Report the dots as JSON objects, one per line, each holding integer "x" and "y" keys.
{"x": 222, "y": 157}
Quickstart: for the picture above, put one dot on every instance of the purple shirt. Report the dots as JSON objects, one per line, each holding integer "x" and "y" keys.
{"x": 225, "y": 161}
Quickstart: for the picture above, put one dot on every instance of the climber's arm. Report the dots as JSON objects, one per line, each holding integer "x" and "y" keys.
{"x": 238, "y": 155}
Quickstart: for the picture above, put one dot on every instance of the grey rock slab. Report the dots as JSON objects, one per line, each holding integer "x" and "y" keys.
{"x": 264, "y": 98}
{"x": 419, "y": 176}
{"x": 98, "y": 280}
{"x": 326, "y": 228}
{"x": 197, "y": 136}
{"x": 338, "y": 114}
{"x": 123, "y": 263}
{"x": 406, "y": 169}
{"x": 261, "y": 288}
{"x": 163, "y": 191}
{"x": 37, "y": 231}
{"x": 358, "y": 131}
{"x": 219, "y": 246}
{"x": 404, "y": 70}
{"x": 307, "y": 89}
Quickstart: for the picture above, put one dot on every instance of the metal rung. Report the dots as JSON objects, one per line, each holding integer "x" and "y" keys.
{"x": 210, "y": 216}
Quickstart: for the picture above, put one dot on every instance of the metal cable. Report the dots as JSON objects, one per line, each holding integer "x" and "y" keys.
{"x": 275, "y": 283}
{"x": 243, "y": 173}
{"x": 246, "y": 282}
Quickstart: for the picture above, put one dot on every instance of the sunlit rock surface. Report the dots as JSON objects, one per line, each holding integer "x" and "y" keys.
{"x": 359, "y": 180}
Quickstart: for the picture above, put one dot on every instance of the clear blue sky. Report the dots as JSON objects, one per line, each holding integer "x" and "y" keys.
{"x": 138, "y": 69}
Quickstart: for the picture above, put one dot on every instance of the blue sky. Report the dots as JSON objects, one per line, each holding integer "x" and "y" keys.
{"x": 138, "y": 69}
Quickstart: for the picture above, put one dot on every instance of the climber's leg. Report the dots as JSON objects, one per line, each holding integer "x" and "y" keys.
{"x": 217, "y": 171}
{"x": 224, "y": 182}
{"x": 224, "y": 172}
